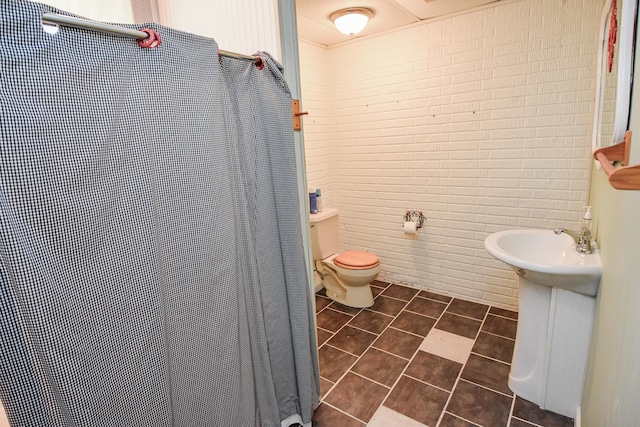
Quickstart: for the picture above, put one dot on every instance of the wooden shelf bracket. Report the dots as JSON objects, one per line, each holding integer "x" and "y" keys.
{"x": 624, "y": 177}
{"x": 295, "y": 110}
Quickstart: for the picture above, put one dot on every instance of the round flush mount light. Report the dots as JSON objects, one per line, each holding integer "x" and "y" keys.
{"x": 352, "y": 20}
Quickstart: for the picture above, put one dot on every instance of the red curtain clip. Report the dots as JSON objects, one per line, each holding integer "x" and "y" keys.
{"x": 150, "y": 42}
{"x": 259, "y": 63}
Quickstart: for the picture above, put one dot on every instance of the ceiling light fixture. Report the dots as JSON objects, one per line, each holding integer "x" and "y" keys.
{"x": 352, "y": 20}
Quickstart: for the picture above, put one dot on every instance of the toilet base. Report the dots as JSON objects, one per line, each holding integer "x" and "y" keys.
{"x": 357, "y": 297}
{"x": 351, "y": 296}
{"x": 347, "y": 287}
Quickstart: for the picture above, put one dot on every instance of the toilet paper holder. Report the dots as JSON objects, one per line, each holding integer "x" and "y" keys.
{"x": 415, "y": 216}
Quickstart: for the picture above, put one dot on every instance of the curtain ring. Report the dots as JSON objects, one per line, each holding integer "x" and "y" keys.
{"x": 259, "y": 63}
{"x": 150, "y": 42}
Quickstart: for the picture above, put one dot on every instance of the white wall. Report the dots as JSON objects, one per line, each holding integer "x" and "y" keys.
{"x": 317, "y": 126}
{"x": 241, "y": 26}
{"x": 108, "y": 11}
{"x": 482, "y": 120}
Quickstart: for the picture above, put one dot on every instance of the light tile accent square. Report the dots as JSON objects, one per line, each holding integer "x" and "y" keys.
{"x": 385, "y": 417}
{"x": 445, "y": 344}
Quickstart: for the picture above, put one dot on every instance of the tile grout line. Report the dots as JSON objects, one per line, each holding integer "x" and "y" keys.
{"x": 415, "y": 353}
{"x": 323, "y": 308}
{"x": 342, "y": 350}
{"x": 490, "y": 358}
{"x": 358, "y": 359}
{"x": 469, "y": 317}
{"x": 527, "y": 422}
{"x": 369, "y": 379}
{"x": 487, "y": 388}
{"x": 353, "y": 316}
{"x": 349, "y": 369}
{"x": 322, "y": 400}
{"x": 326, "y": 343}
{"x": 513, "y": 405}
{"x": 503, "y": 317}
{"x": 482, "y": 323}
{"x": 405, "y": 367}
{"x": 371, "y": 346}
{"x": 457, "y": 381}
{"x": 513, "y": 396}
{"x": 345, "y": 413}
{"x": 387, "y": 352}
{"x": 361, "y": 330}
{"x": 408, "y": 332}
{"x": 341, "y": 327}
{"x": 498, "y": 335}
{"x": 461, "y": 418}
{"x": 424, "y": 315}
{"x": 455, "y": 384}
{"x": 427, "y": 383}
{"x": 326, "y": 330}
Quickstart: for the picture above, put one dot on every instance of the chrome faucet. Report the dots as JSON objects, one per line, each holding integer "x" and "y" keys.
{"x": 582, "y": 238}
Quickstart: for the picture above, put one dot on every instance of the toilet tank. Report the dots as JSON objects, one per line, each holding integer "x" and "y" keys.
{"x": 324, "y": 233}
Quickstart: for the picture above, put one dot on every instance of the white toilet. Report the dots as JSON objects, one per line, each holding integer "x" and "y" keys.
{"x": 345, "y": 276}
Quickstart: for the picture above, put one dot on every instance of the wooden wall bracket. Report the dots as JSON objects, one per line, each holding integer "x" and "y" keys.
{"x": 624, "y": 177}
{"x": 295, "y": 109}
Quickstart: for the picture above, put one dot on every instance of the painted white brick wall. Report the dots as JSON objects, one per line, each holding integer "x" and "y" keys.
{"x": 316, "y": 99}
{"x": 482, "y": 120}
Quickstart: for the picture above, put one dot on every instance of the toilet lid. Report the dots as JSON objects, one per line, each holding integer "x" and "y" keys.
{"x": 356, "y": 260}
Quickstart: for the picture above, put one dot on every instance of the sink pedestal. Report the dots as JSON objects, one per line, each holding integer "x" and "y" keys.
{"x": 558, "y": 286}
{"x": 550, "y": 354}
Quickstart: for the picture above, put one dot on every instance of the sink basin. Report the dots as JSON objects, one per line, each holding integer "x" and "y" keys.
{"x": 546, "y": 258}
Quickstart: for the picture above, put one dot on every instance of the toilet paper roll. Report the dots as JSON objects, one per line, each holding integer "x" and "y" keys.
{"x": 411, "y": 227}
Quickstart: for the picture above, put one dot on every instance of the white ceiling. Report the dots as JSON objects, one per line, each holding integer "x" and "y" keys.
{"x": 314, "y": 23}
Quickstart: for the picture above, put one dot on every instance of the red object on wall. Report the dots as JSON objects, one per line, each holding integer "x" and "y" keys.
{"x": 613, "y": 32}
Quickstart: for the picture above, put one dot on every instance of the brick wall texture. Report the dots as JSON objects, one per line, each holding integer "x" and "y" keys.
{"x": 482, "y": 120}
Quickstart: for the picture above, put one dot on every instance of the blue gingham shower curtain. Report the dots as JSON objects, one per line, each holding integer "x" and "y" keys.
{"x": 151, "y": 263}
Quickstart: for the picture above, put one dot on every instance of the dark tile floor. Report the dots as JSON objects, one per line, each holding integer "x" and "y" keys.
{"x": 417, "y": 359}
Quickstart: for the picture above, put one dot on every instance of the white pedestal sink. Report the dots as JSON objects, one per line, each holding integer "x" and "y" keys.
{"x": 557, "y": 287}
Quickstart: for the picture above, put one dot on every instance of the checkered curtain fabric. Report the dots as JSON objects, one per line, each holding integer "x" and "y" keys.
{"x": 151, "y": 267}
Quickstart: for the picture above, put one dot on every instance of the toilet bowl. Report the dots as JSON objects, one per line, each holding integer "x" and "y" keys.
{"x": 348, "y": 284}
{"x": 346, "y": 276}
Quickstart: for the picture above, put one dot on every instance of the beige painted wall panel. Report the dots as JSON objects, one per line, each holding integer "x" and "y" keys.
{"x": 612, "y": 383}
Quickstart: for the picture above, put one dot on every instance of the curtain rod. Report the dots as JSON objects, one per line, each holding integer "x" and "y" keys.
{"x": 84, "y": 24}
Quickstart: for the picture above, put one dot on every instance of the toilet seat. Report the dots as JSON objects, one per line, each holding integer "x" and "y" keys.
{"x": 356, "y": 260}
